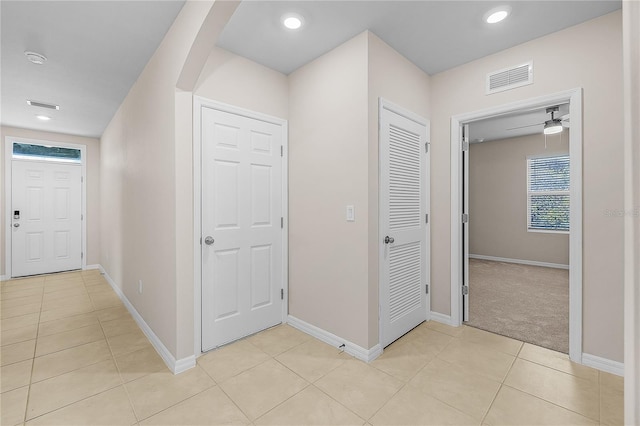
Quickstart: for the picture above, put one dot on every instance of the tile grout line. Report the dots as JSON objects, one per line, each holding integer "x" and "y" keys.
{"x": 493, "y": 400}
{"x": 33, "y": 359}
{"x": 113, "y": 358}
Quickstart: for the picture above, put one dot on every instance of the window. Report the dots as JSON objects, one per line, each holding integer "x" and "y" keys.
{"x": 45, "y": 152}
{"x": 548, "y": 193}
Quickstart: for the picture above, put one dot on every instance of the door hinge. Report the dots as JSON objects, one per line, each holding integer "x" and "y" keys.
{"x": 282, "y": 294}
{"x": 81, "y": 179}
{"x": 426, "y": 147}
{"x": 282, "y": 223}
{"x": 465, "y": 146}
{"x": 281, "y": 150}
{"x": 200, "y": 240}
{"x": 426, "y": 218}
{"x": 465, "y": 217}
{"x": 427, "y": 288}
{"x": 81, "y": 217}
{"x": 465, "y": 290}
{"x": 81, "y": 255}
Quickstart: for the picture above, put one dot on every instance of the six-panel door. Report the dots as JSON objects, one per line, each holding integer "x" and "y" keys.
{"x": 241, "y": 212}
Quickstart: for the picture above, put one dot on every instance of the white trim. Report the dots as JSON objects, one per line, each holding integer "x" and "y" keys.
{"x": 8, "y": 157}
{"x": 198, "y": 103}
{"x": 89, "y": 267}
{"x": 574, "y": 97}
{"x": 442, "y": 319}
{"x": 519, "y": 261}
{"x": 603, "y": 364}
{"x": 3, "y": 278}
{"x": 366, "y": 355}
{"x": 176, "y": 366}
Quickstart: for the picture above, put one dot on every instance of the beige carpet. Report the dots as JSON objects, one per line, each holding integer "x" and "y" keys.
{"x": 528, "y": 303}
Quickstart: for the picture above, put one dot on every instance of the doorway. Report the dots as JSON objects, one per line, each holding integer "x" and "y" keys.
{"x": 404, "y": 228}
{"x": 45, "y": 207}
{"x": 460, "y": 208}
{"x": 242, "y": 222}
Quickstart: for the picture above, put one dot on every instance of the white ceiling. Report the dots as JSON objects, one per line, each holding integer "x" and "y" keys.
{"x": 96, "y": 50}
{"x": 513, "y": 125}
{"x": 435, "y": 35}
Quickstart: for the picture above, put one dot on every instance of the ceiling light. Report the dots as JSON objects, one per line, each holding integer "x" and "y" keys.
{"x": 553, "y": 126}
{"x": 292, "y": 21}
{"x": 496, "y": 15}
{"x": 43, "y": 117}
{"x": 35, "y": 58}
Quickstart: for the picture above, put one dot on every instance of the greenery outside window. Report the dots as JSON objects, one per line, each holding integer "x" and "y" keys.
{"x": 548, "y": 194}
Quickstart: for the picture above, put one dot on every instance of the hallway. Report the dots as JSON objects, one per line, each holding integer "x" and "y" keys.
{"x": 72, "y": 354}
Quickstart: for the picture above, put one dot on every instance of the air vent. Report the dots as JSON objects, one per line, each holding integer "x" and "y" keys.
{"x": 43, "y": 105}
{"x": 510, "y": 78}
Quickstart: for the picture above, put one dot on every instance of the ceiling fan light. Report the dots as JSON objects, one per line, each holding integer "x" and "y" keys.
{"x": 551, "y": 127}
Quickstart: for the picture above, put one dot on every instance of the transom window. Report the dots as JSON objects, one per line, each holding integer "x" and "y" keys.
{"x": 45, "y": 152}
{"x": 548, "y": 194}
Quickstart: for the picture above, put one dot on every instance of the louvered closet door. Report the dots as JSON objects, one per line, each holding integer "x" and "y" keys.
{"x": 403, "y": 198}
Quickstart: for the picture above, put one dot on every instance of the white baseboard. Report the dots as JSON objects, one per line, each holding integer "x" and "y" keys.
{"x": 366, "y": 355}
{"x": 3, "y": 278}
{"x": 88, "y": 267}
{"x": 603, "y": 364}
{"x": 441, "y": 318}
{"x": 520, "y": 261}
{"x": 176, "y": 366}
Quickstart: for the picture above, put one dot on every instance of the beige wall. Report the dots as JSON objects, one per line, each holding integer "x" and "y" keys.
{"x": 393, "y": 77}
{"x": 591, "y": 58}
{"x": 498, "y": 200}
{"x": 333, "y": 163}
{"x": 328, "y": 170}
{"x": 237, "y": 81}
{"x": 139, "y": 185}
{"x": 93, "y": 186}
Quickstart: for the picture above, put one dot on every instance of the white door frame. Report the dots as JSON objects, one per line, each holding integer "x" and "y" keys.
{"x": 574, "y": 97}
{"x": 8, "y": 157}
{"x": 385, "y": 104}
{"x": 199, "y": 103}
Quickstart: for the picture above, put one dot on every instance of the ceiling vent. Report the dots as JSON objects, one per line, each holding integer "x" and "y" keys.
{"x": 510, "y": 78}
{"x": 42, "y": 105}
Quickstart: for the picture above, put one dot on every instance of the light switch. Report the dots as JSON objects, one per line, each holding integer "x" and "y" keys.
{"x": 351, "y": 214}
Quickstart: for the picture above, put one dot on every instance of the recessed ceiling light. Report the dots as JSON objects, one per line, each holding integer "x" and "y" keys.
{"x": 35, "y": 58}
{"x": 43, "y": 117}
{"x": 497, "y": 14}
{"x": 292, "y": 21}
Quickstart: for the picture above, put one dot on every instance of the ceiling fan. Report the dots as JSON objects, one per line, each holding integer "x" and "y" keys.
{"x": 554, "y": 125}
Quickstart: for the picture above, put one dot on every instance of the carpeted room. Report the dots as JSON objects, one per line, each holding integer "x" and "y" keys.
{"x": 518, "y": 268}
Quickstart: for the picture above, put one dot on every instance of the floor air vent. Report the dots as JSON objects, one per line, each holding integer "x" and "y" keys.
{"x": 510, "y": 78}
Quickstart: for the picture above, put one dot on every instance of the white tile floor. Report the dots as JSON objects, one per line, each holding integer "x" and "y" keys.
{"x": 72, "y": 354}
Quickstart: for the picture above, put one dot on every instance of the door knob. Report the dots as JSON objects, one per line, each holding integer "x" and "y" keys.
{"x": 209, "y": 240}
{"x": 16, "y": 225}
{"x": 388, "y": 240}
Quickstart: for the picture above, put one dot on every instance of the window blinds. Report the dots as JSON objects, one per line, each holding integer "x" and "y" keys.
{"x": 548, "y": 193}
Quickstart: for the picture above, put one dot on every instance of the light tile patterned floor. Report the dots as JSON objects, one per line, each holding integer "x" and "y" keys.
{"x": 72, "y": 354}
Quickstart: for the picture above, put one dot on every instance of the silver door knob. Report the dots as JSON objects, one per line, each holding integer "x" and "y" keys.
{"x": 209, "y": 240}
{"x": 388, "y": 240}
{"x": 16, "y": 225}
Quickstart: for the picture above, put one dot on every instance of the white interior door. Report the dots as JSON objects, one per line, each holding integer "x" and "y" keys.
{"x": 242, "y": 241}
{"x": 46, "y": 217}
{"x": 465, "y": 222}
{"x": 403, "y": 221}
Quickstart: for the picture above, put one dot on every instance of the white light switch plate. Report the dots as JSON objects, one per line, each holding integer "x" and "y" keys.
{"x": 351, "y": 214}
